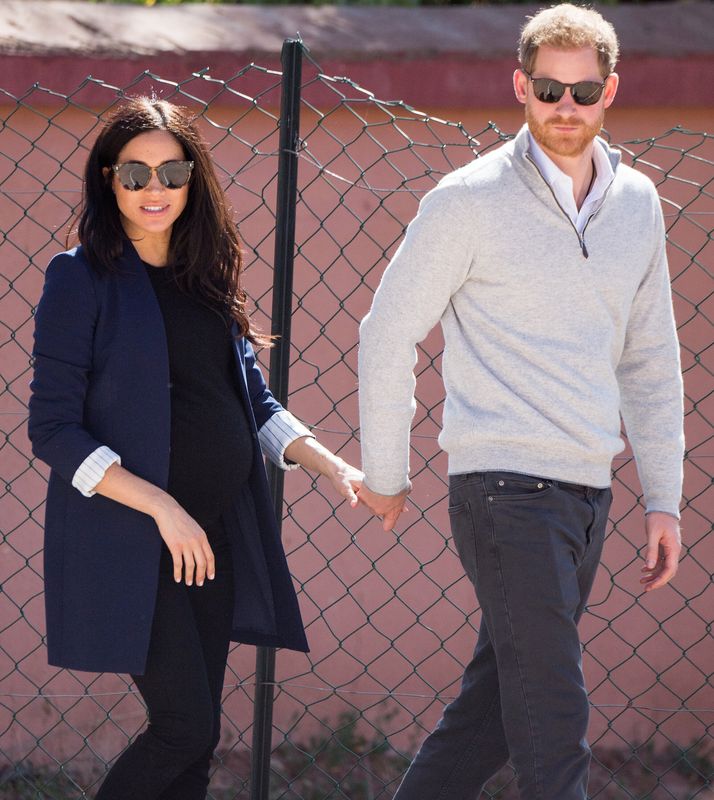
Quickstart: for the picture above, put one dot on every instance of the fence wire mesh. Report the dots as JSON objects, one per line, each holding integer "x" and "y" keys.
{"x": 391, "y": 619}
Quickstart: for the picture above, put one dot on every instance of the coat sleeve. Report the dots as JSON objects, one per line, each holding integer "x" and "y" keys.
{"x": 277, "y": 427}
{"x": 263, "y": 403}
{"x": 62, "y": 357}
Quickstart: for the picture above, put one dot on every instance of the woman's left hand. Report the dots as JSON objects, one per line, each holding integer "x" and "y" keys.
{"x": 309, "y": 453}
{"x": 346, "y": 479}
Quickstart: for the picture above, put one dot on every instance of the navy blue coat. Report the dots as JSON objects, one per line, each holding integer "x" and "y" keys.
{"x": 101, "y": 377}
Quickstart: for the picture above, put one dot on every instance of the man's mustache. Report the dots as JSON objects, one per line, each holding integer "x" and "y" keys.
{"x": 573, "y": 123}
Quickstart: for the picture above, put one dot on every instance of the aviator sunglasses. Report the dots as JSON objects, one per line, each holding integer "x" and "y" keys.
{"x": 135, "y": 176}
{"x": 584, "y": 93}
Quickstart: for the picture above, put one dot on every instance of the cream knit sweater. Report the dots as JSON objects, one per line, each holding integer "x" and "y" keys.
{"x": 549, "y": 336}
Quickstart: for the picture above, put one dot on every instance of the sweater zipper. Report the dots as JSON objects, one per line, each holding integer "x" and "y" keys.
{"x": 594, "y": 214}
{"x": 581, "y": 236}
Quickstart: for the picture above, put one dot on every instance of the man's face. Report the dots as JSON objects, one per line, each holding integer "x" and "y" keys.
{"x": 564, "y": 129}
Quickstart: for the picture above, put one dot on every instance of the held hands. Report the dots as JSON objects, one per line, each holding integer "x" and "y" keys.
{"x": 187, "y": 542}
{"x": 347, "y": 480}
{"x": 664, "y": 544}
{"x": 386, "y": 506}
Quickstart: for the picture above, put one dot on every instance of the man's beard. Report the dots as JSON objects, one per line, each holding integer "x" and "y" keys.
{"x": 573, "y": 144}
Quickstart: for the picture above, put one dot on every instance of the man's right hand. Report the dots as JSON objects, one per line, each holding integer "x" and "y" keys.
{"x": 386, "y": 506}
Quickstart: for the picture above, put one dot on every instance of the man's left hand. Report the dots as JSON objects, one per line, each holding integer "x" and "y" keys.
{"x": 664, "y": 544}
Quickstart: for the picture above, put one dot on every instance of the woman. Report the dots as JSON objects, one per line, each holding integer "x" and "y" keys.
{"x": 147, "y": 403}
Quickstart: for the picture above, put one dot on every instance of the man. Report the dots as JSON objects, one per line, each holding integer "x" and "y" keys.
{"x": 544, "y": 262}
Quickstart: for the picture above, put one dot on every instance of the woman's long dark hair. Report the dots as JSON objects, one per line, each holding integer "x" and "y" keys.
{"x": 204, "y": 249}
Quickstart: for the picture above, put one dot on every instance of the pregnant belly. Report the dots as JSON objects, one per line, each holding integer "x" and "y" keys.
{"x": 210, "y": 459}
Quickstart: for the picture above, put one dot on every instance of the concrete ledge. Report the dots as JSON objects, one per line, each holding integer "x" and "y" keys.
{"x": 430, "y": 57}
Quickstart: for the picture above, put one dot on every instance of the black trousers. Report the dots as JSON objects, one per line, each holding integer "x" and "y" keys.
{"x": 531, "y": 546}
{"x": 181, "y": 687}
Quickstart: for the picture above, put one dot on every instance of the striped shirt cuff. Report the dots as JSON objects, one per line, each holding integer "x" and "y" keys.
{"x": 277, "y": 433}
{"x": 91, "y": 471}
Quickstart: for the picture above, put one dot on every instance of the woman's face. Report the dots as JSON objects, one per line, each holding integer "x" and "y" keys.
{"x": 148, "y": 214}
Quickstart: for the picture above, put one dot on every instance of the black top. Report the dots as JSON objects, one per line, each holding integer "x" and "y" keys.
{"x": 211, "y": 447}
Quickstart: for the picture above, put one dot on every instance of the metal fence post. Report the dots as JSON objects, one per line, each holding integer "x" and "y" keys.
{"x": 291, "y": 58}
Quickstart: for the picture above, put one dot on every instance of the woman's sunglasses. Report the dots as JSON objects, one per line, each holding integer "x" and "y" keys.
{"x": 584, "y": 93}
{"x": 134, "y": 176}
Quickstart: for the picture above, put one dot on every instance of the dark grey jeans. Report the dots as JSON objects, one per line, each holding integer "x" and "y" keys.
{"x": 531, "y": 547}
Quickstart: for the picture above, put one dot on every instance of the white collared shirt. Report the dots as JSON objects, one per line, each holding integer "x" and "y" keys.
{"x": 562, "y": 184}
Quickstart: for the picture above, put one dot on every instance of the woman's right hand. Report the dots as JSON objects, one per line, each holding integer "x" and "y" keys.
{"x": 185, "y": 538}
{"x": 187, "y": 543}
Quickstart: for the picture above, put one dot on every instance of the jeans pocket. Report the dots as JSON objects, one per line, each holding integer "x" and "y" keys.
{"x": 463, "y": 532}
{"x": 505, "y": 486}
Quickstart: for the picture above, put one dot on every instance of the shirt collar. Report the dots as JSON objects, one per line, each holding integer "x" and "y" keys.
{"x": 554, "y": 176}
{"x": 604, "y": 173}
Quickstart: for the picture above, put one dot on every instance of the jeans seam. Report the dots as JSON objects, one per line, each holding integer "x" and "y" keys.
{"x": 459, "y": 768}
{"x": 536, "y": 776}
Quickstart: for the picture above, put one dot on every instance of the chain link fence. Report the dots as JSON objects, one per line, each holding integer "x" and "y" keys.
{"x": 390, "y": 617}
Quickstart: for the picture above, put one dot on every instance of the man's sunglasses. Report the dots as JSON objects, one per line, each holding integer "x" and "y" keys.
{"x": 584, "y": 93}
{"x": 134, "y": 176}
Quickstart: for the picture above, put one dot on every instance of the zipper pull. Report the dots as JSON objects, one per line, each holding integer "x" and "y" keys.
{"x": 582, "y": 246}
